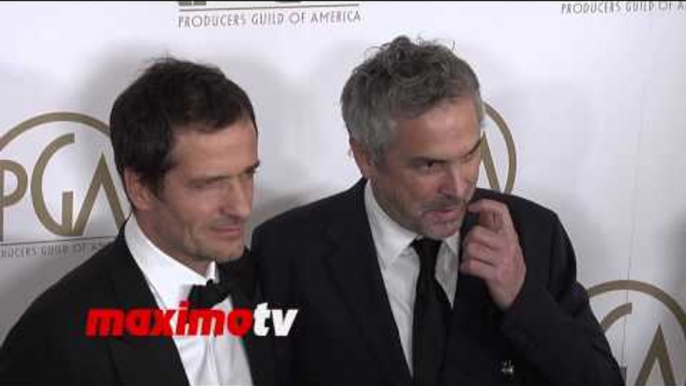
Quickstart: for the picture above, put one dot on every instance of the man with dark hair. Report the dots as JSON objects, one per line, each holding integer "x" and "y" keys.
{"x": 185, "y": 146}
{"x": 414, "y": 276}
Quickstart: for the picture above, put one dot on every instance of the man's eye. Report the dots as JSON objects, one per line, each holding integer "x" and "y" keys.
{"x": 200, "y": 184}
{"x": 471, "y": 156}
{"x": 429, "y": 166}
{"x": 205, "y": 184}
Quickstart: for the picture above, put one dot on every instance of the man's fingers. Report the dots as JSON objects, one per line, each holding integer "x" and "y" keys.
{"x": 489, "y": 220}
{"x": 483, "y": 235}
{"x": 493, "y": 215}
{"x": 478, "y": 268}
{"x": 480, "y": 252}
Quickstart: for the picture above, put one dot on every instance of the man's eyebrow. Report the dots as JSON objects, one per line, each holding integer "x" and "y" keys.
{"x": 423, "y": 159}
{"x": 253, "y": 167}
{"x": 476, "y": 146}
{"x": 210, "y": 178}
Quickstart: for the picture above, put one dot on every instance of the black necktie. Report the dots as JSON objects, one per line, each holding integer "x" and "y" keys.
{"x": 431, "y": 315}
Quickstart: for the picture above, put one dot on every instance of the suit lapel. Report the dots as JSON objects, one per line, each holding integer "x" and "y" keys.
{"x": 258, "y": 348}
{"x": 355, "y": 269}
{"x": 140, "y": 360}
{"x": 472, "y": 323}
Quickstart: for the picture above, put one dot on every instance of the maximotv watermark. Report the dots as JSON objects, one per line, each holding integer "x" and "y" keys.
{"x": 106, "y": 322}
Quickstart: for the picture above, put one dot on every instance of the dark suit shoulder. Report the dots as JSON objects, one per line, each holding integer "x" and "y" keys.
{"x": 79, "y": 288}
{"x": 286, "y": 246}
{"x": 306, "y": 217}
{"x": 50, "y": 335}
{"x": 75, "y": 290}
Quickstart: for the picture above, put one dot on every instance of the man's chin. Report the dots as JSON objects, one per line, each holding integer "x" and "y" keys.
{"x": 230, "y": 253}
{"x": 442, "y": 230}
{"x": 442, "y": 225}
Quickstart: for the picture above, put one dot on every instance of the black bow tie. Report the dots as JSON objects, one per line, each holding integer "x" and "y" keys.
{"x": 231, "y": 275}
{"x": 210, "y": 294}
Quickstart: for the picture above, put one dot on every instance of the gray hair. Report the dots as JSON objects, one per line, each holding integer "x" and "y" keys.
{"x": 402, "y": 80}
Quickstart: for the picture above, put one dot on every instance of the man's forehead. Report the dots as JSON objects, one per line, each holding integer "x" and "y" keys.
{"x": 446, "y": 134}
{"x": 234, "y": 148}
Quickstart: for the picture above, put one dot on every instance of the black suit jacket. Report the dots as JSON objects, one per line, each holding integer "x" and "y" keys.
{"x": 49, "y": 346}
{"x": 321, "y": 259}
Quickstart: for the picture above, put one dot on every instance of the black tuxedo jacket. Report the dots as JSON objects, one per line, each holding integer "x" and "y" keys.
{"x": 49, "y": 345}
{"x": 321, "y": 259}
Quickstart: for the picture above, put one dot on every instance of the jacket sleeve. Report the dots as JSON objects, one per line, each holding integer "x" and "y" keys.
{"x": 551, "y": 324}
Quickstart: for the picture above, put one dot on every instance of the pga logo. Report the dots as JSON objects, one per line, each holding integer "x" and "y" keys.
{"x": 56, "y": 179}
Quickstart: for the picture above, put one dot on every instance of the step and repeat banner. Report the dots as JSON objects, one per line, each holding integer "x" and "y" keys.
{"x": 586, "y": 106}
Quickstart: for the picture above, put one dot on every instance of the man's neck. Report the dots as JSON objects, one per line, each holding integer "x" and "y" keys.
{"x": 199, "y": 266}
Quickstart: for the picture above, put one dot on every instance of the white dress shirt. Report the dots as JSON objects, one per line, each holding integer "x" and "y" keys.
{"x": 400, "y": 266}
{"x": 207, "y": 360}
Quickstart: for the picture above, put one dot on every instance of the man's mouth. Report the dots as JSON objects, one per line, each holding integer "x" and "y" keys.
{"x": 229, "y": 230}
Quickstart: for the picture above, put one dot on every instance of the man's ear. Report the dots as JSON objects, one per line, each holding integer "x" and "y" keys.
{"x": 363, "y": 159}
{"x": 138, "y": 191}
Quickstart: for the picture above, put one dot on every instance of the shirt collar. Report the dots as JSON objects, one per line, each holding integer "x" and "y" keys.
{"x": 391, "y": 238}
{"x": 169, "y": 278}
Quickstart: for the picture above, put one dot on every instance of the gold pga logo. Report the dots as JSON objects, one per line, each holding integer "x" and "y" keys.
{"x": 505, "y": 145}
{"x": 101, "y": 179}
{"x": 658, "y": 352}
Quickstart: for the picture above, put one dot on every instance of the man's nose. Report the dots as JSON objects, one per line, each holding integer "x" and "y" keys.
{"x": 456, "y": 182}
{"x": 237, "y": 199}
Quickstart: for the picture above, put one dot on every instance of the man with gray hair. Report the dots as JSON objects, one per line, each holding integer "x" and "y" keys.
{"x": 414, "y": 276}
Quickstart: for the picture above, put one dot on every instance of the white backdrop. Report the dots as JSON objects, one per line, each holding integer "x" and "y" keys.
{"x": 593, "y": 95}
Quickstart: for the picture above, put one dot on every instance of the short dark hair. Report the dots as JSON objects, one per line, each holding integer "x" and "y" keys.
{"x": 403, "y": 80}
{"x": 169, "y": 97}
